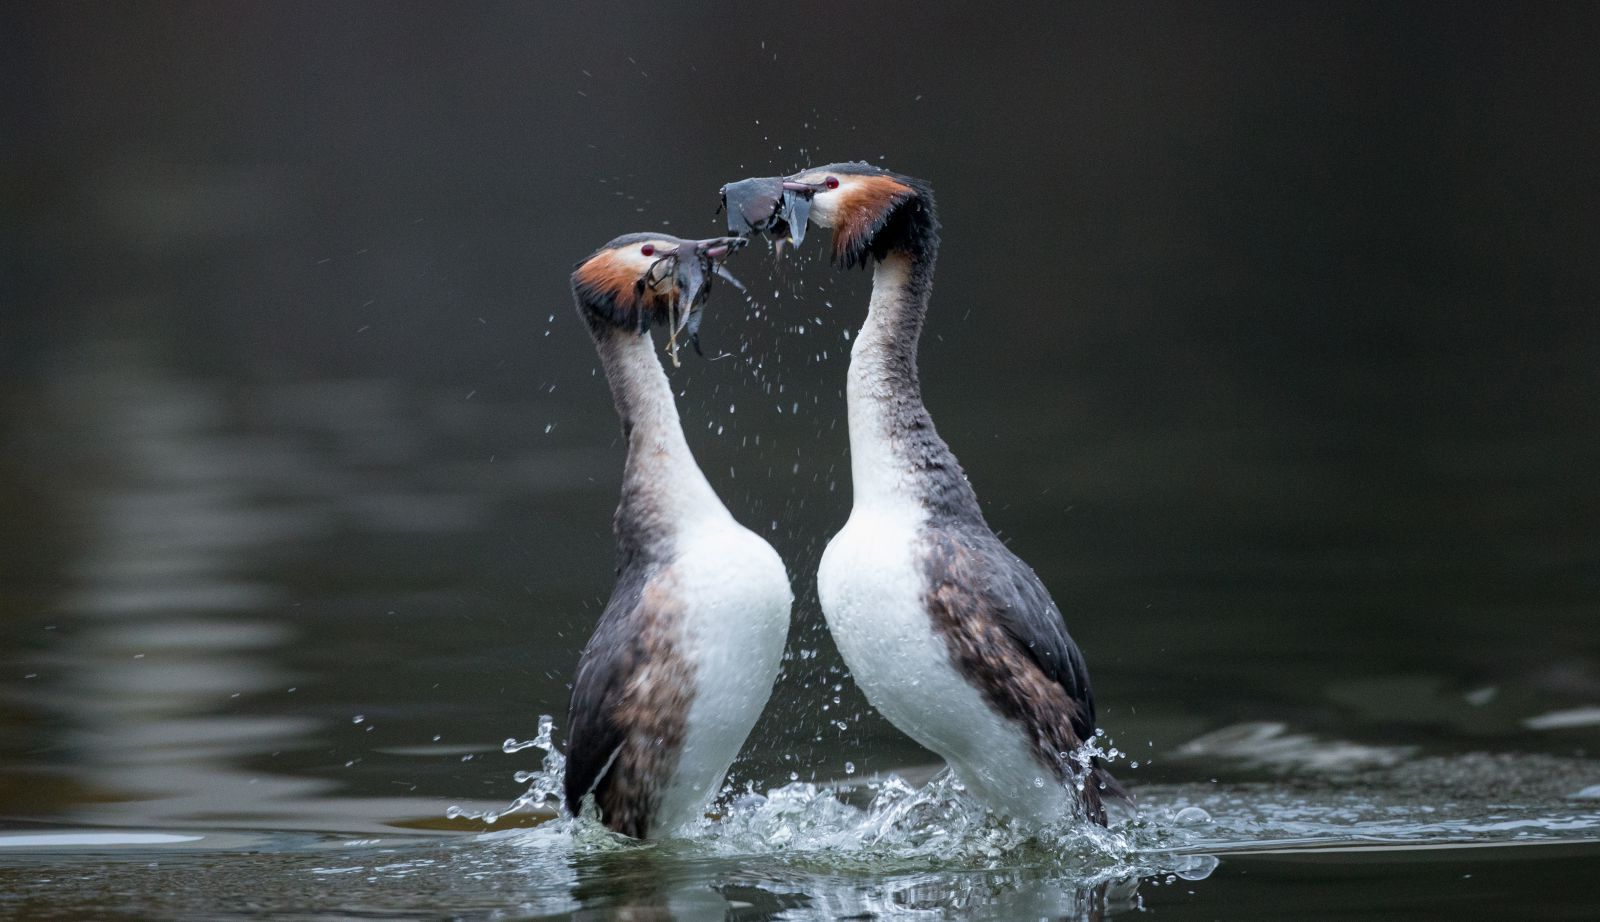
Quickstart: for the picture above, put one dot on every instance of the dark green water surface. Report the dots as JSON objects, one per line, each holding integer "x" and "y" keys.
{"x": 1267, "y": 336}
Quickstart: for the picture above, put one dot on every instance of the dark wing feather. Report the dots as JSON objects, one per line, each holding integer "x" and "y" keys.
{"x": 1024, "y": 609}
{"x": 1006, "y": 633}
{"x": 630, "y": 702}
{"x": 593, "y": 731}
{"x": 980, "y": 582}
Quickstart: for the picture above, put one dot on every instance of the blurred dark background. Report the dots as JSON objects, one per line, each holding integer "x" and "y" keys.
{"x": 1267, "y": 333}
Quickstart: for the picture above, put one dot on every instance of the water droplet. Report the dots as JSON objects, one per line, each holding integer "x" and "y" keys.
{"x": 1198, "y": 867}
{"x": 849, "y": 768}
{"x": 359, "y": 718}
{"x": 1191, "y": 816}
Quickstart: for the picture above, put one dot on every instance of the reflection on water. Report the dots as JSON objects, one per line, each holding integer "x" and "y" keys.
{"x": 168, "y": 623}
{"x": 177, "y": 674}
{"x": 1266, "y": 334}
{"x": 261, "y": 626}
{"x": 1268, "y": 744}
{"x": 559, "y": 868}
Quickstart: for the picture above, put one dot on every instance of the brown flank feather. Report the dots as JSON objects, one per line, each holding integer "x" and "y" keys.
{"x": 993, "y": 662}
{"x": 653, "y": 711}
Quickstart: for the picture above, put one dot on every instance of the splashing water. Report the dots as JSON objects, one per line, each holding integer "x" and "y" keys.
{"x": 544, "y": 785}
{"x": 879, "y": 823}
{"x": 1086, "y": 756}
{"x": 904, "y": 827}
{"x": 921, "y": 843}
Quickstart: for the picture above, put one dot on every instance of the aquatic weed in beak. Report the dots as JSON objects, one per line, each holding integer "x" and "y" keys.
{"x": 770, "y": 206}
{"x": 692, "y": 267}
{"x": 753, "y": 205}
{"x": 796, "y": 212}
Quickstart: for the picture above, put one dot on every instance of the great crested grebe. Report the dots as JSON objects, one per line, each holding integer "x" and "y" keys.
{"x": 949, "y": 634}
{"x": 685, "y": 654}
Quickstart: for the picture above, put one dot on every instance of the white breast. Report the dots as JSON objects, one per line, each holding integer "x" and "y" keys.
{"x": 872, "y": 591}
{"x": 734, "y": 627}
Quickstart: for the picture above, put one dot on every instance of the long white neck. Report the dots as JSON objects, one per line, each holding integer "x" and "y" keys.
{"x": 875, "y": 387}
{"x": 896, "y": 457}
{"x": 663, "y": 489}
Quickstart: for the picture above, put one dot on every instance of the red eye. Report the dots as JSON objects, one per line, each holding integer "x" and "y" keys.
{"x": 647, "y": 250}
{"x": 832, "y": 182}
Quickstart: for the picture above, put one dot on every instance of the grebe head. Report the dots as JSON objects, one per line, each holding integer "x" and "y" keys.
{"x": 871, "y": 210}
{"x": 638, "y": 279}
